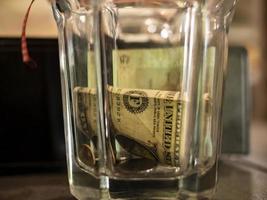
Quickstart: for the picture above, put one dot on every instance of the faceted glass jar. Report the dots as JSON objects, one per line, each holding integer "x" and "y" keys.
{"x": 77, "y": 63}
{"x": 142, "y": 85}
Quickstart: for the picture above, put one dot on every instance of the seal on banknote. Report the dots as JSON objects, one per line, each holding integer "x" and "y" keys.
{"x": 135, "y": 101}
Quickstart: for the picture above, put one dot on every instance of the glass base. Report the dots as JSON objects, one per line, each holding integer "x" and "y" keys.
{"x": 127, "y": 190}
{"x": 82, "y": 193}
{"x": 195, "y": 187}
{"x": 84, "y": 186}
{"x": 203, "y": 195}
{"x": 154, "y": 189}
{"x": 199, "y": 186}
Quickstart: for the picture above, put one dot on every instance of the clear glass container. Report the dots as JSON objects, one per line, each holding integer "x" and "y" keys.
{"x": 142, "y": 85}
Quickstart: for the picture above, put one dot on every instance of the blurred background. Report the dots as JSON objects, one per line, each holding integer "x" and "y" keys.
{"x": 247, "y": 31}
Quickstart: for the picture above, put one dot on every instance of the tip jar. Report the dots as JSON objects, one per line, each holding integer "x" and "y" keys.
{"x": 142, "y": 84}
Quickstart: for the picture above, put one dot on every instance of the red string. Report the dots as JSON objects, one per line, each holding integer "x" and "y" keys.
{"x": 24, "y": 47}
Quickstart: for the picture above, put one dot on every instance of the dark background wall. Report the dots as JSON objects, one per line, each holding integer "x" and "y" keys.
{"x": 31, "y": 125}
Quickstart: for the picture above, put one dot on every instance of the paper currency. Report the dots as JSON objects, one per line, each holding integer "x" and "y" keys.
{"x": 154, "y": 68}
{"x": 85, "y": 110}
{"x": 148, "y": 123}
{"x": 85, "y": 120}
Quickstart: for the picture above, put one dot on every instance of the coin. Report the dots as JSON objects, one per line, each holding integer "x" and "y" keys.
{"x": 86, "y": 155}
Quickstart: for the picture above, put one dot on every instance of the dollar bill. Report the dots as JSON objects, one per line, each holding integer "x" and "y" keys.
{"x": 85, "y": 110}
{"x": 149, "y": 123}
{"x": 157, "y": 132}
{"x": 85, "y": 121}
{"x": 154, "y": 68}
{"x": 164, "y": 69}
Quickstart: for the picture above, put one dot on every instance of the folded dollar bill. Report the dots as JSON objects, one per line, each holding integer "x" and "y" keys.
{"x": 85, "y": 110}
{"x": 147, "y": 123}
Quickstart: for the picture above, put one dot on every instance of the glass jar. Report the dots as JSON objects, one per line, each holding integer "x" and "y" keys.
{"x": 142, "y": 85}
